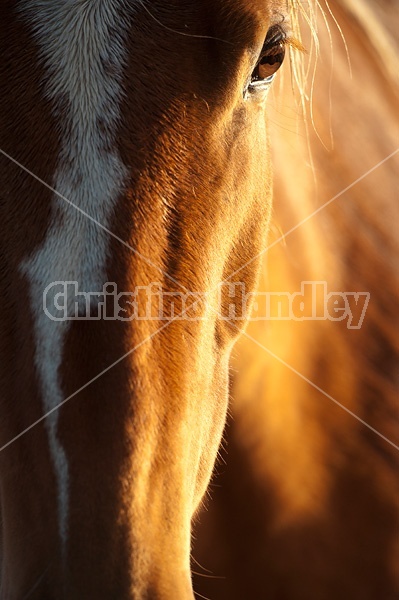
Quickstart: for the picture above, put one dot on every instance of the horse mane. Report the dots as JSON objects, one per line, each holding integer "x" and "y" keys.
{"x": 375, "y": 27}
{"x": 376, "y": 24}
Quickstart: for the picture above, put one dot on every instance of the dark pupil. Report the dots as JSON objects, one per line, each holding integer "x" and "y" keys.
{"x": 271, "y": 62}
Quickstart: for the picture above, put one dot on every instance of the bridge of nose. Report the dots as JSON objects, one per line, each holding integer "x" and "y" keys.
{"x": 155, "y": 168}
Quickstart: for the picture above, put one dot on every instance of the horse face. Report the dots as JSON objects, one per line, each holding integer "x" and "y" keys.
{"x": 152, "y": 133}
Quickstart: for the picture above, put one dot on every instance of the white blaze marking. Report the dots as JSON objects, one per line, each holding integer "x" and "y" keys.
{"x": 83, "y": 48}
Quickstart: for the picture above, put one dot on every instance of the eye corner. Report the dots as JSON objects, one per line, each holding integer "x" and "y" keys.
{"x": 258, "y": 86}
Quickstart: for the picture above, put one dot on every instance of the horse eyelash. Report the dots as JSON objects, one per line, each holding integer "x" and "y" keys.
{"x": 293, "y": 42}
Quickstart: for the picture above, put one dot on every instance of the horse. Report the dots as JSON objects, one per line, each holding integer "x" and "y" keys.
{"x": 304, "y": 503}
{"x": 117, "y": 176}
{"x": 135, "y": 169}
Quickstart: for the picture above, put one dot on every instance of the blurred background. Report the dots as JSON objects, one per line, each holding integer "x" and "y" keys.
{"x": 304, "y": 504}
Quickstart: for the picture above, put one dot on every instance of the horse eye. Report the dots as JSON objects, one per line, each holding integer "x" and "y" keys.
{"x": 271, "y": 58}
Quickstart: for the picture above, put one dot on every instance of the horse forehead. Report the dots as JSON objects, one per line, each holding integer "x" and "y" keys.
{"x": 260, "y": 7}
{"x": 238, "y": 23}
{"x": 225, "y": 12}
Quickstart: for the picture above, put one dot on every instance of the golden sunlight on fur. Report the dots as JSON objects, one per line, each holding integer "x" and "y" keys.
{"x": 139, "y": 145}
{"x": 305, "y": 503}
